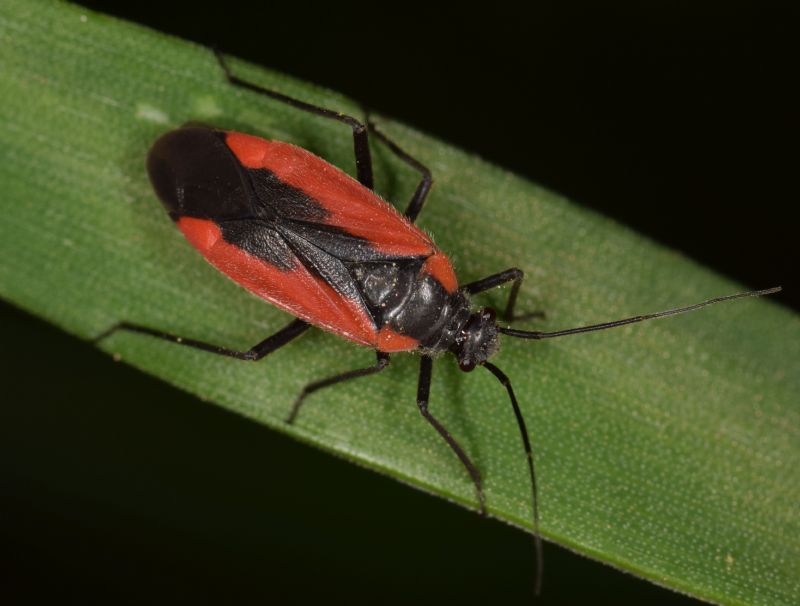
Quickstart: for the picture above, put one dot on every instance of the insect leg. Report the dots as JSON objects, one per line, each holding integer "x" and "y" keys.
{"x": 360, "y": 136}
{"x": 381, "y": 363}
{"x": 424, "y": 186}
{"x": 267, "y": 346}
{"x": 423, "y": 391}
{"x": 499, "y": 279}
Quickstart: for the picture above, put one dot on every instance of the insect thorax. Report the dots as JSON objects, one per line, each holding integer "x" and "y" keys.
{"x": 411, "y": 302}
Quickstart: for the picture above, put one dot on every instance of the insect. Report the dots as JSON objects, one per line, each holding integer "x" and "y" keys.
{"x": 303, "y": 235}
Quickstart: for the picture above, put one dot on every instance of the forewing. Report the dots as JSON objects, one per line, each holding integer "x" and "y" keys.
{"x": 258, "y": 257}
{"x": 301, "y": 187}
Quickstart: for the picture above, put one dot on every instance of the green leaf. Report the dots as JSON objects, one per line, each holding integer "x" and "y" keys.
{"x": 669, "y": 449}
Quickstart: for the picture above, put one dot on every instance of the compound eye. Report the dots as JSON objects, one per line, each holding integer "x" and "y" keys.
{"x": 467, "y": 365}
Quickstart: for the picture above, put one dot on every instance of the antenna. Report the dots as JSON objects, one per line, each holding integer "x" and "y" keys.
{"x": 526, "y": 443}
{"x": 524, "y": 334}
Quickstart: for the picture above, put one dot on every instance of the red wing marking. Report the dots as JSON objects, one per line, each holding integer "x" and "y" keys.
{"x": 391, "y": 341}
{"x": 439, "y": 267}
{"x": 296, "y": 290}
{"x": 353, "y": 207}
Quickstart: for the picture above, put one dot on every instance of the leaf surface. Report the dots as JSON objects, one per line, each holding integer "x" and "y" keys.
{"x": 668, "y": 449}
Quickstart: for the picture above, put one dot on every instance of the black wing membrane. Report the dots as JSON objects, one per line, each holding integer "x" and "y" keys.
{"x": 325, "y": 265}
{"x": 336, "y": 241}
{"x": 272, "y": 198}
{"x": 261, "y": 240}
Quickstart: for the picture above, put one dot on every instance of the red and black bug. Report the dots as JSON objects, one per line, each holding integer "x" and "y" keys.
{"x": 305, "y": 236}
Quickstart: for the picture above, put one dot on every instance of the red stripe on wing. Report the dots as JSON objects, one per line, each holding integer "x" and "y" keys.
{"x": 390, "y": 341}
{"x": 440, "y": 267}
{"x": 352, "y": 207}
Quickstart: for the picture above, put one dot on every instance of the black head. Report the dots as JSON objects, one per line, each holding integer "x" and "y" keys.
{"x": 477, "y": 341}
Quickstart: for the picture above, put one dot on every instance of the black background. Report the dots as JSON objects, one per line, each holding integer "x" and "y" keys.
{"x": 678, "y": 119}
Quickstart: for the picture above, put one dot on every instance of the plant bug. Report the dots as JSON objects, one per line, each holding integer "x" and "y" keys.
{"x": 303, "y": 235}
